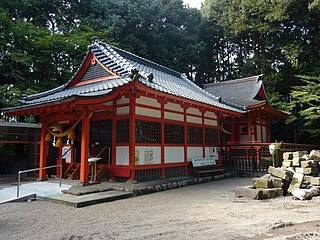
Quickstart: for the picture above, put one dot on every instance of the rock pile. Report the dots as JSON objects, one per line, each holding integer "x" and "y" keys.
{"x": 299, "y": 176}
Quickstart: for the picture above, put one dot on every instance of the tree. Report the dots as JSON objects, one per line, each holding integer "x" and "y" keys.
{"x": 305, "y": 106}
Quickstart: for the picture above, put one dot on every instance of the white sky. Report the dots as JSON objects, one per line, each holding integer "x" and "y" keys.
{"x": 194, "y": 3}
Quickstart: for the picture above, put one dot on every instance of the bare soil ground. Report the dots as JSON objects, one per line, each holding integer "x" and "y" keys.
{"x": 203, "y": 211}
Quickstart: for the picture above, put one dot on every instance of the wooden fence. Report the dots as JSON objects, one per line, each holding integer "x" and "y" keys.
{"x": 255, "y": 157}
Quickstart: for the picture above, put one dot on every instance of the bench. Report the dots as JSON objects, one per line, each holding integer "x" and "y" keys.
{"x": 203, "y": 167}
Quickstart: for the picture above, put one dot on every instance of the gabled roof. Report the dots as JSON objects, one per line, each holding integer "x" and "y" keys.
{"x": 247, "y": 92}
{"x": 119, "y": 63}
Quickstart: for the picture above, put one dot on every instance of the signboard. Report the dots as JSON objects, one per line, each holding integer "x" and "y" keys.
{"x": 67, "y": 155}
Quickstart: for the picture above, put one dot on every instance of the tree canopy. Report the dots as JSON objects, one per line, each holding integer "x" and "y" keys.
{"x": 42, "y": 43}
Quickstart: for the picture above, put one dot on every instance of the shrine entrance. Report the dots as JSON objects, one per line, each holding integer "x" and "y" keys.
{"x": 100, "y": 142}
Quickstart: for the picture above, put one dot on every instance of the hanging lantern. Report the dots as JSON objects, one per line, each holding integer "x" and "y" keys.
{"x": 72, "y": 135}
{"x": 59, "y": 143}
{"x": 48, "y": 137}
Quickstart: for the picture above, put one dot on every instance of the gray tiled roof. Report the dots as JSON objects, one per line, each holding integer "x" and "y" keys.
{"x": 239, "y": 91}
{"x": 122, "y": 62}
{"x": 19, "y": 124}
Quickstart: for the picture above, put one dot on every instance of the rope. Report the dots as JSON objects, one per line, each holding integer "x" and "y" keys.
{"x": 60, "y": 135}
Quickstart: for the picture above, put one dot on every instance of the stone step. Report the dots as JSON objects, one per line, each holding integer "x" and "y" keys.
{"x": 88, "y": 199}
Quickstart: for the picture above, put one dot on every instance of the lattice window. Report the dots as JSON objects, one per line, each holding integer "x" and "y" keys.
{"x": 122, "y": 131}
{"x": 211, "y": 136}
{"x": 195, "y": 135}
{"x": 173, "y": 133}
{"x": 148, "y": 132}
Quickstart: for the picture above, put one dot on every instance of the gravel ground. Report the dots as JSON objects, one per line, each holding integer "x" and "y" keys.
{"x": 203, "y": 211}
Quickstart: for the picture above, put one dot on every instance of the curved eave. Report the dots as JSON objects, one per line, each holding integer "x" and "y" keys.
{"x": 74, "y": 100}
{"x": 274, "y": 113}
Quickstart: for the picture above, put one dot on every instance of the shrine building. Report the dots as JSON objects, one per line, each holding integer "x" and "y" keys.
{"x": 144, "y": 121}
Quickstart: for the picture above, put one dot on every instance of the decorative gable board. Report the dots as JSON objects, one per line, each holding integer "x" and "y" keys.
{"x": 94, "y": 72}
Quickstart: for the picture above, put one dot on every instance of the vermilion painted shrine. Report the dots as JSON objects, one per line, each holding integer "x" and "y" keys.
{"x": 143, "y": 118}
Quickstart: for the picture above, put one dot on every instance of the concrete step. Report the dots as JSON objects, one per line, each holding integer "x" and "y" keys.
{"x": 87, "y": 199}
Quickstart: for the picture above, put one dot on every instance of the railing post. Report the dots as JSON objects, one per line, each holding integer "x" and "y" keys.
{"x": 18, "y": 186}
{"x": 60, "y": 174}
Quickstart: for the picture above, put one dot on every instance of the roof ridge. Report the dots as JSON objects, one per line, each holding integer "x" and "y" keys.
{"x": 233, "y": 81}
{"x": 145, "y": 60}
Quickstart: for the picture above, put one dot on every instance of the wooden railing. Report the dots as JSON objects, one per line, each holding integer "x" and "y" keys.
{"x": 255, "y": 157}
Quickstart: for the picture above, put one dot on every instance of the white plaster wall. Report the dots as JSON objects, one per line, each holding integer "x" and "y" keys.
{"x": 173, "y": 116}
{"x": 192, "y": 119}
{"x": 148, "y": 101}
{"x": 210, "y": 114}
{"x": 173, "y": 154}
{"x": 194, "y": 111}
{"x": 209, "y": 152}
{"x": 122, "y": 155}
{"x": 123, "y": 111}
{"x": 110, "y": 103}
{"x": 194, "y": 152}
{"x": 259, "y": 133}
{"x": 174, "y": 107}
{"x": 264, "y": 134}
{"x": 123, "y": 100}
{"x": 210, "y": 122}
{"x": 148, "y": 112}
{"x": 147, "y": 155}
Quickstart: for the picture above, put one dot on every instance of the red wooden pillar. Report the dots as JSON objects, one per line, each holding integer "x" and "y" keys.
{"x": 132, "y": 137}
{"x": 163, "y": 169}
{"x": 249, "y": 129}
{"x": 43, "y": 153}
{"x": 232, "y": 130}
{"x": 203, "y": 133}
{"x": 85, "y": 135}
{"x": 185, "y": 107}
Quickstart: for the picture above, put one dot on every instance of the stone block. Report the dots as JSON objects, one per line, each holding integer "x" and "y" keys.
{"x": 280, "y": 173}
{"x": 299, "y": 153}
{"x": 261, "y": 183}
{"x": 278, "y": 192}
{"x": 307, "y": 178}
{"x": 315, "y": 155}
{"x": 287, "y": 163}
{"x": 296, "y": 181}
{"x": 267, "y": 176}
{"x": 306, "y": 157}
{"x": 276, "y": 182}
{"x": 287, "y": 155}
{"x": 309, "y": 163}
{"x": 308, "y": 171}
{"x": 315, "y": 181}
{"x": 296, "y": 162}
{"x": 268, "y": 193}
{"x": 249, "y": 192}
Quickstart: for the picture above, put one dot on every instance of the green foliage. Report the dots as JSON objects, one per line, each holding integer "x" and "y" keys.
{"x": 305, "y": 106}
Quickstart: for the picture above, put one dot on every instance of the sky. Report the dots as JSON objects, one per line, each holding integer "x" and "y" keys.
{"x": 194, "y": 3}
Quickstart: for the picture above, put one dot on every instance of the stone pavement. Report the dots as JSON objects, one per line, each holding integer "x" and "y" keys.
{"x": 74, "y": 194}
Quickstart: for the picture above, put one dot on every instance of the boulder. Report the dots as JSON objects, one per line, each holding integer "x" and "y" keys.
{"x": 308, "y": 171}
{"x": 296, "y": 162}
{"x": 296, "y": 181}
{"x": 299, "y": 153}
{"x": 261, "y": 183}
{"x": 315, "y": 181}
{"x": 287, "y": 163}
{"x": 280, "y": 173}
{"x": 310, "y": 163}
{"x": 287, "y": 155}
{"x": 248, "y": 192}
{"x": 315, "y": 155}
{"x": 306, "y": 194}
{"x": 276, "y": 182}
